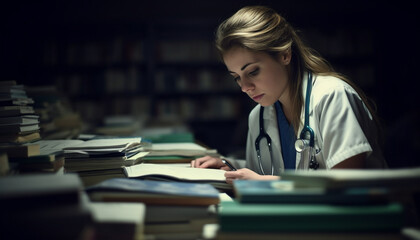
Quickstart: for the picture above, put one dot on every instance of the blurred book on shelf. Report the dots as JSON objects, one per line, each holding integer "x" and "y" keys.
{"x": 57, "y": 118}
{"x": 120, "y": 126}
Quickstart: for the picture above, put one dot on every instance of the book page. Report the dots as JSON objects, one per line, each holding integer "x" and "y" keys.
{"x": 178, "y": 149}
{"x": 182, "y": 173}
{"x": 106, "y": 143}
{"x": 48, "y": 147}
{"x": 176, "y": 146}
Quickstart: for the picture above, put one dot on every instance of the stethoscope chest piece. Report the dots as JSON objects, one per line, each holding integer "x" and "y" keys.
{"x": 313, "y": 164}
{"x": 306, "y": 139}
{"x": 307, "y": 136}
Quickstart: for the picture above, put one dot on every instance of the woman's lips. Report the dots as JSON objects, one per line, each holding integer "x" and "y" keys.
{"x": 258, "y": 97}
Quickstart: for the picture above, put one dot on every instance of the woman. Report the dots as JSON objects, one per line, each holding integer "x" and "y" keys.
{"x": 273, "y": 67}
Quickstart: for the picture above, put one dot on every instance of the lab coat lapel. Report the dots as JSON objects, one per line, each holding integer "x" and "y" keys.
{"x": 270, "y": 120}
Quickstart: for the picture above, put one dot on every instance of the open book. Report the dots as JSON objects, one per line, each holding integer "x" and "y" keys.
{"x": 176, "y": 149}
{"x": 163, "y": 172}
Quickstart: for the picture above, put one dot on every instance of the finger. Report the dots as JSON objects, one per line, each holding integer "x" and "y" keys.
{"x": 206, "y": 164}
{"x": 231, "y": 174}
{"x": 193, "y": 163}
{"x": 226, "y": 168}
{"x": 229, "y": 180}
{"x": 203, "y": 158}
{"x": 199, "y": 161}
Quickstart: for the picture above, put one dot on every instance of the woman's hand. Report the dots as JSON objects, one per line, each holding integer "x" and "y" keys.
{"x": 209, "y": 162}
{"x": 245, "y": 173}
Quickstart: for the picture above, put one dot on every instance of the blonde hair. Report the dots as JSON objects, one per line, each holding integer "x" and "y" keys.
{"x": 262, "y": 29}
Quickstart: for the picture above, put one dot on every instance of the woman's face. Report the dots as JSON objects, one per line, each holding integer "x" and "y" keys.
{"x": 259, "y": 75}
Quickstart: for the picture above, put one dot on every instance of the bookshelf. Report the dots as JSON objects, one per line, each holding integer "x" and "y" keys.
{"x": 159, "y": 60}
{"x": 165, "y": 70}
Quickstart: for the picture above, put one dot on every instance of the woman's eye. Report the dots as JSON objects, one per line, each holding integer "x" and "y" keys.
{"x": 255, "y": 72}
{"x": 236, "y": 78}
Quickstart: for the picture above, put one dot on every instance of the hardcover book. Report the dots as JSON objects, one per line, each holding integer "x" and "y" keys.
{"x": 154, "y": 192}
{"x": 283, "y": 191}
{"x": 239, "y": 217}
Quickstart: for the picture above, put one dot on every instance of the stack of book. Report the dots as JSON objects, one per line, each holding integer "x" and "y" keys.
{"x": 99, "y": 159}
{"x": 174, "y": 210}
{"x": 4, "y": 164}
{"x": 175, "y": 152}
{"x": 19, "y": 124}
{"x": 18, "y": 121}
{"x": 118, "y": 220}
{"x": 339, "y": 204}
{"x": 43, "y": 206}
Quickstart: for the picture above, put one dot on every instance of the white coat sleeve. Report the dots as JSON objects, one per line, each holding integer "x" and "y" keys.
{"x": 339, "y": 113}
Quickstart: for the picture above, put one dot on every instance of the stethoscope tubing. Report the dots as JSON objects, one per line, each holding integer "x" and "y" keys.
{"x": 301, "y": 144}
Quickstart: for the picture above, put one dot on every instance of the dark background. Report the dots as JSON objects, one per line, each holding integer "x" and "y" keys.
{"x": 386, "y": 71}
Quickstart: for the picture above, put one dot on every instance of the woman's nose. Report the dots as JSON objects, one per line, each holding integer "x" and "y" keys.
{"x": 246, "y": 85}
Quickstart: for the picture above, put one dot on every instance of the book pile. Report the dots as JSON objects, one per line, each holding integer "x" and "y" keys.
{"x": 42, "y": 206}
{"x": 19, "y": 125}
{"x": 98, "y": 159}
{"x": 18, "y": 121}
{"x": 50, "y": 206}
{"x": 174, "y": 210}
{"x": 339, "y": 204}
{"x": 175, "y": 152}
{"x": 118, "y": 220}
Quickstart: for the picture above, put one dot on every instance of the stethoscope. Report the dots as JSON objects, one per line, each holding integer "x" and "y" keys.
{"x": 306, "y": 138}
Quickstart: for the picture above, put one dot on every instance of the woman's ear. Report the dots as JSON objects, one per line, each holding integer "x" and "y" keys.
{"x": 286, "y": 57}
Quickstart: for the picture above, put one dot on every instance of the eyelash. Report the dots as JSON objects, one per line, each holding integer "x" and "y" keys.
{"x": 253, "y": 73}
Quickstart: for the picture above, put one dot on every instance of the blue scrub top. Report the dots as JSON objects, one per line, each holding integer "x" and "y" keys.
{"x": 287, "y": 138}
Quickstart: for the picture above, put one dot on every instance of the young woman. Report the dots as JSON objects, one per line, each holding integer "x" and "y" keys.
{"x": 293, "y": 87}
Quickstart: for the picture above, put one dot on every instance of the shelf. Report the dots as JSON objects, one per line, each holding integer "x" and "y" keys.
{"x": 198, "y": 94}
{"x": 93, "y": 68}
{"x": 171, "y": 69}
{"x": 94, "y": 97}
{"x": 214, "y": 65}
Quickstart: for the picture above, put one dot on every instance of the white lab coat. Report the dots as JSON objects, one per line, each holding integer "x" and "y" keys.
{"x": 341, "y": 122}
